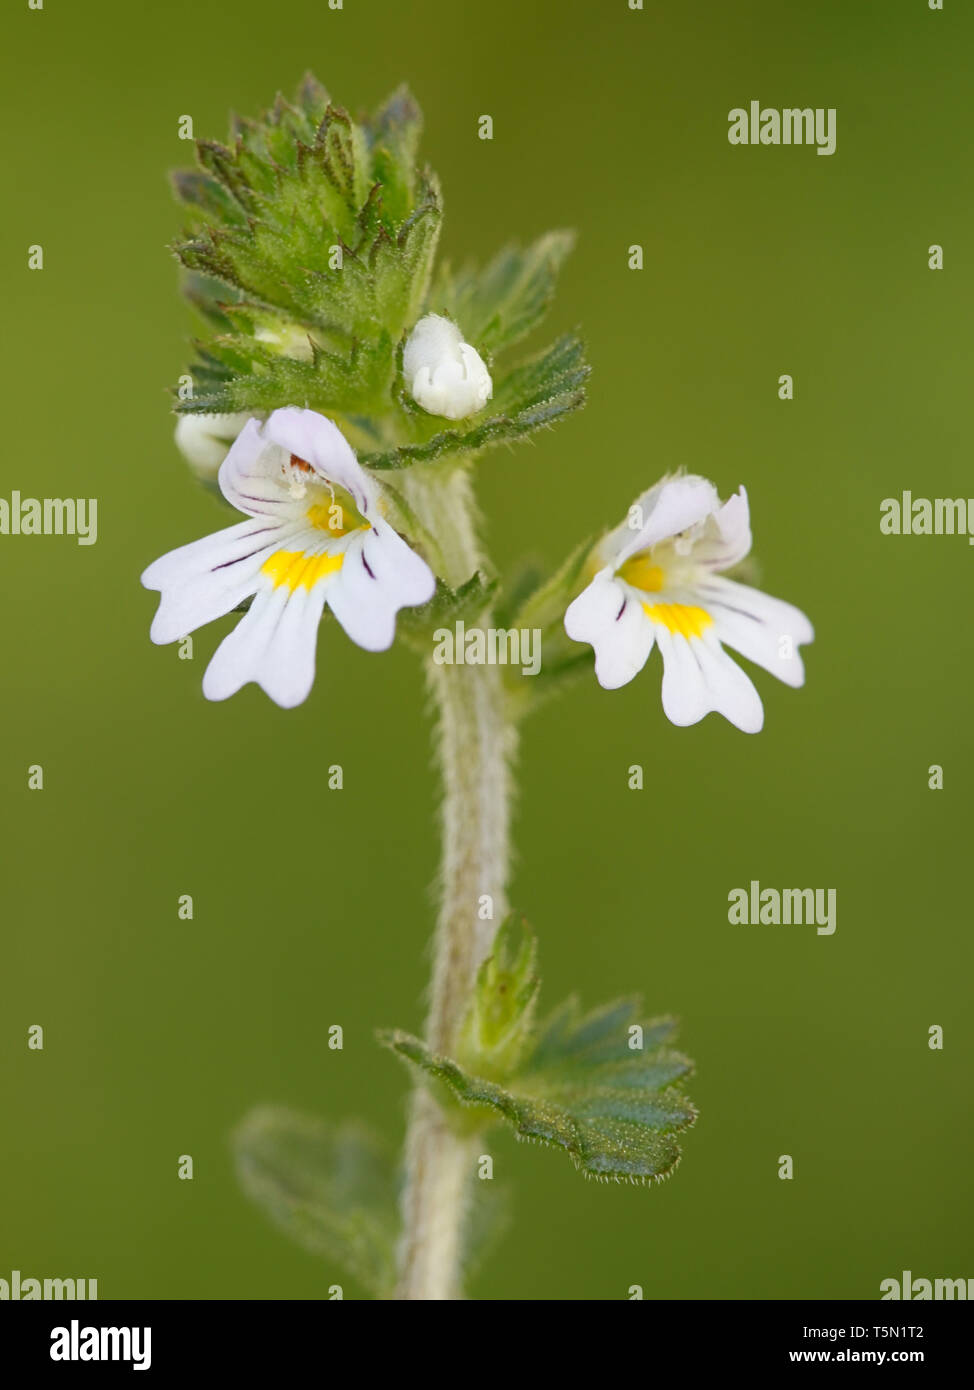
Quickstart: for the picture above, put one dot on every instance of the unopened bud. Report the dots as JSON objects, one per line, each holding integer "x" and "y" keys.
{"x": 445, "y": 375}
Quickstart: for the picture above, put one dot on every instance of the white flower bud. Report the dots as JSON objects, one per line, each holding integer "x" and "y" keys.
{"x": 445, "y": 375}
{"x": 204, "y": 440}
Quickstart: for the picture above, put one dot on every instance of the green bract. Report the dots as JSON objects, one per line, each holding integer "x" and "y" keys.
{"x": 603, "y": 1086}
{"x": 310, "y": 252}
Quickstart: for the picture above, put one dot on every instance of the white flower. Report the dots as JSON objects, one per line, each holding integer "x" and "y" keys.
{"x": 445, "y": 375}
{"x": 204, "y": 440}
{"x": 314, "y": 536}
{"x": 662, "y": 582}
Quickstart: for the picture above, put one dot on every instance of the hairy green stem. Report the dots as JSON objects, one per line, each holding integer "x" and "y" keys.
{"x": 474, "y": 744}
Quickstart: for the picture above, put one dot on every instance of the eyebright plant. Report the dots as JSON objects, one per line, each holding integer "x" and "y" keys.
{"x": 345, "y": 385}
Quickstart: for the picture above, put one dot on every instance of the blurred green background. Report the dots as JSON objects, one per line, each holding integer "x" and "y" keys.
{"x": 313, "y": 907}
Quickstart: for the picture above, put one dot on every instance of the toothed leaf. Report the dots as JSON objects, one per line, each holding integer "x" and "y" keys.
{"x": 501, "y": 304}
{"x": 614, "y": 1108}
{"x": 531, "y": 396}
{"x": 308, "y": 250}
{"x": 323, "y": 225}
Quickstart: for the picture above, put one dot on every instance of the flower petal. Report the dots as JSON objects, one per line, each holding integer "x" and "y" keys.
{"x": 252, "y": 476}
{"x": 670, "y": 507}
{"x": 615, "y": 626}
{"x": 699, "y": 676}
{"x": 273, "y": 644}
{"x": 381, "y": 574}
{"x": 208, "y": 578}
{"x": 726, "y": 537}
{"x": 765, "y": 630}
{"x": 205, "y": 440}
{"x": 318, "y": 441}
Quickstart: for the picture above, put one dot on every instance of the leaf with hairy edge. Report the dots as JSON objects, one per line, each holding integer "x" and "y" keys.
{"x": 615, "y": 1108}
{"x": 320, "y": 232}
{"x": 531, "y": 396}
{"x": 501, "y": 304}
{"x": 394, "y": 133}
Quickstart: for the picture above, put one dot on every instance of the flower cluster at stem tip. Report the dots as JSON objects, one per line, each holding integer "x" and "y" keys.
{"x": 321, "y": 527}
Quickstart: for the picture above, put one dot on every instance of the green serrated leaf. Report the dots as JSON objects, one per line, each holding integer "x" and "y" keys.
{"x": 208, "y": 195}
{"x": 331, "y": 1189}
{"x": 309, "y": 247}
{"x": 614, "y": 1108}
{"x": 501, "y": 304}
{"x": 326, "y": 227}
{"x": 394, "y": 133}
{"x": 531, "y": 396}
{"x": 311, "y": 97}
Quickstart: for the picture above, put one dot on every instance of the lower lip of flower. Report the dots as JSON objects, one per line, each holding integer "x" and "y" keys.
{"x": 294, "y": 569}
{"x": 686, "y": 620}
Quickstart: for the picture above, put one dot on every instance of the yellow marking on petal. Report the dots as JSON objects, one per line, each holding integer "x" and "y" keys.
{"x": 684, "y": 619}
{"x": 335, "y": 519}
{"x": 641, "y": 573}
{"x": 296, "y": 570}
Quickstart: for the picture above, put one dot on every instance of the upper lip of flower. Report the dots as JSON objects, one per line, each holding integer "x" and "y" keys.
{"x": 314, "y": 535}
{"x": 310, "y": 448}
